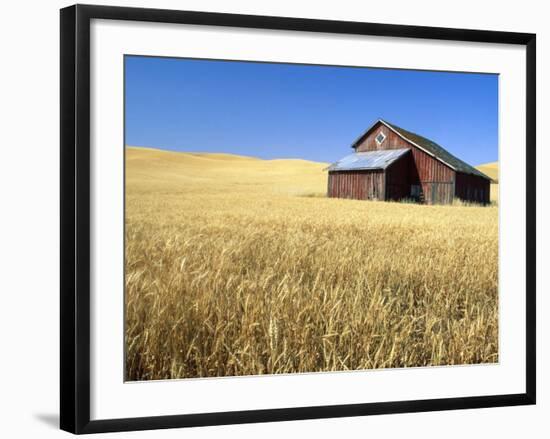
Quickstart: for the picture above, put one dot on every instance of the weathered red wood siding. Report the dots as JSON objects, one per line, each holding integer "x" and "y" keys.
{"x": 357, "y": 185}
{"x": 435, "y": 178}
{"x": 392, "y": 141}
{"x": 472, "y": 188}
{"x": 437, "y": 193}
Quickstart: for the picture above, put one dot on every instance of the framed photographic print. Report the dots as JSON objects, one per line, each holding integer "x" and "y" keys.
{"x": 268, "y": 218}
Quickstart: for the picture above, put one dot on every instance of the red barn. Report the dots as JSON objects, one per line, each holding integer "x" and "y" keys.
{"x": 390, "y": 163}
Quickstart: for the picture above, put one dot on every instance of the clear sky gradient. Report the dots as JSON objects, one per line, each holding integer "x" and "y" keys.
{"x": 271, "y": 110}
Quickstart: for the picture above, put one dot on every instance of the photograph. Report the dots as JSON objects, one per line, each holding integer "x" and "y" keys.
{"x": 295, "y": 218}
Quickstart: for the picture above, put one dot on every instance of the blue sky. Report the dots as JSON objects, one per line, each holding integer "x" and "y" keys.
{"x": 294, "y": 111}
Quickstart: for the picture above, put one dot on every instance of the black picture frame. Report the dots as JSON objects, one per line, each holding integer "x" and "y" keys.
{"x": 75, "y": 217}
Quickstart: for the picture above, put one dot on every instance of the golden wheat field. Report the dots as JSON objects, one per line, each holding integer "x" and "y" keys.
{"x": 241, "y": 266}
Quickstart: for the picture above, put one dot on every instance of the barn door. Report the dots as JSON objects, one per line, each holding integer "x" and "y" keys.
{"x": 415, "y": 192}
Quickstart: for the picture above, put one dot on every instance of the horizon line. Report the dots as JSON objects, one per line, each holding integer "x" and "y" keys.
{"x": 223, "y": 152}
{"x": 157, "y": 148}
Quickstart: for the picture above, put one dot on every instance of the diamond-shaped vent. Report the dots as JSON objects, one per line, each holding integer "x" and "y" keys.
{"x": 380, "y": 138}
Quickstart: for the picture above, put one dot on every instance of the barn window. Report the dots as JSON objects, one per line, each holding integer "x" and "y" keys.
{"x": 380, "y": 138}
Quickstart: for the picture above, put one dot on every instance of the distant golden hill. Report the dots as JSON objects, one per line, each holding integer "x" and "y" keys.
{"x": 490, "y": 170}
{"x": 149, "y": 170}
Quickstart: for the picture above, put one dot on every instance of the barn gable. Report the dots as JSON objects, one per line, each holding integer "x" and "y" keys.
{"x": 393, "y": 137}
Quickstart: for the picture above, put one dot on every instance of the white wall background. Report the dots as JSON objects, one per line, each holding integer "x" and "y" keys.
{"x": 29, "y": 206}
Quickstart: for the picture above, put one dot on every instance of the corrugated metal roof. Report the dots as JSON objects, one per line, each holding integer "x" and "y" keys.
{"x": 368, "y": 160}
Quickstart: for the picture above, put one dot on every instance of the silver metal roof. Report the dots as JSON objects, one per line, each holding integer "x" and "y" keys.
{"x": 368, "y": 160}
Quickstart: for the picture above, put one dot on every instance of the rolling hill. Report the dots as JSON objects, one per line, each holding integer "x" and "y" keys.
{"x": 150, "y": 169}
{"x": 490, "y": 170}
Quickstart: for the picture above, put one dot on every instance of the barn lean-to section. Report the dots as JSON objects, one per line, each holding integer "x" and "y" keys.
{"x": 357, "y": 185}
{"x": 362, "y": 176}
{"x": 390, "y": 163}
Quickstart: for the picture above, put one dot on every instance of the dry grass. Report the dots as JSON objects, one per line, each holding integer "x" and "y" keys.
{"x": 236, "y": 266}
